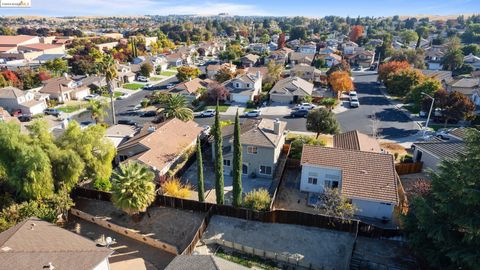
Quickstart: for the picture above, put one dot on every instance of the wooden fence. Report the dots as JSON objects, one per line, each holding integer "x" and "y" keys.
{"x": 408, "y": 168}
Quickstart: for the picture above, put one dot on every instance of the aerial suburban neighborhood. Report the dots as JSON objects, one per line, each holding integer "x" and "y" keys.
{"x": 239, "y": 135}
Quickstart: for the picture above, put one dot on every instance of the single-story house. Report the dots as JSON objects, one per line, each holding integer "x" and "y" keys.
{"x": 212, "y": 70}
{"x": 368, "y": 179}
{"x": 190, "y": 89}
{"x": 262, "y": 141}
{"x": 244, "y": 87}
{"x": 290, "y": 90}
{"x": 159, "y": 147}
{"x": 355, "y": 140}
{"x": 119, "y": 134}
{"x": 467, "y": 86}
{"x": 12, "y": 99}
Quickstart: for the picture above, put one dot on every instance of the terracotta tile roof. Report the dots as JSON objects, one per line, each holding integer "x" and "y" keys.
{"x": 165, "y": 143}
{"x": 6, "y": 48}
{"x": 365, "y": 175}
{"x": 41, "y": 46}
{"x": 14, "y": 40}
{"x": 22, "y": 247}
{"x": 355, "y": 140}
{"x": 191, "y": 87}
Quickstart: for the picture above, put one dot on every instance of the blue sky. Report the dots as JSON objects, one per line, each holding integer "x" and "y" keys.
{"x": 312, "y": 8}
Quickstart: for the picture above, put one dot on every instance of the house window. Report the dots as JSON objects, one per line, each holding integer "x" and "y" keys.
{"x": 331, "y": 184}
{"x": 122, "y": 157}
{"x": 237, "y": 85}
{"x": 312, "y": 180}
{"x": 248, "y": 85}
{"x": 226, "y": 162}
{"x": 252, "y": 149}
{"x": 267, "y": 170}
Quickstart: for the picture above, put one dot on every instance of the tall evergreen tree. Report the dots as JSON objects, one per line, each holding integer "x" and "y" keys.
{"x": 200, "y": 183}
{"x": 218, "y": 158}
{"x": 237, "y": 165}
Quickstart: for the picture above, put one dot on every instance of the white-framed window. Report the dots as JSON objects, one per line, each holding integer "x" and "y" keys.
{"x": 312, "y": 180}
{"x": 266, "y": 170}
{"x": 226, "y": 162}
{"x": 252, "y": 149}
{"x": 331, "y": 184}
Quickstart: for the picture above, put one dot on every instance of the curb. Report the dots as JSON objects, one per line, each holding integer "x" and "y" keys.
{"x": 399, "y": 108}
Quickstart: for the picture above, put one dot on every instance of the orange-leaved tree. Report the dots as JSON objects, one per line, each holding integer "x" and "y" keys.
{"x": 391, "y": 67}
{"x": 356, "y": 32}
{"x": 340, "y": 81}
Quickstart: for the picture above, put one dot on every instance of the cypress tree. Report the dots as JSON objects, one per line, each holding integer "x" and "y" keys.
{"x": 218, "y": 158}
{"x": 200, "y": 184}
{"x": 237, "y": 164}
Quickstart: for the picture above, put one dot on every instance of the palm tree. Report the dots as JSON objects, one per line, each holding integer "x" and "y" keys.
{"x": 133, "y": 189}
{"x": 109, "y": 69}
{"x": 97, "y": 109}
{"x": 176, "y": 107}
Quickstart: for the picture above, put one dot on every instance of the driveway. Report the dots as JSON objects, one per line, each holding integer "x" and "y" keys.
{"x": 391, "y": 122}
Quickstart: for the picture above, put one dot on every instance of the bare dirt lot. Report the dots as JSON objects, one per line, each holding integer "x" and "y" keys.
{"x": 173, "y": 226}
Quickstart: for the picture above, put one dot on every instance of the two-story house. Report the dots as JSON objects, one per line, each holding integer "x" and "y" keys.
{"x": 262, "y": 141}
{"x": 349, "y": 47}
{"x": 366, "y": 178}
{"x": 191, "y": 89}
{"x": 301, "y": 58}
{"x": 244, "y": 87}
{"x": 212, "y": 70}
{"x": 290, "y": 90}
{"x": 64, "y": 89}
{"x": 157, "y": 62}
{"x": 306, "y": 72}
{"x": 12, "y": 99}
{"x": 125, "y": 73}
{"x": 308, "y": 49}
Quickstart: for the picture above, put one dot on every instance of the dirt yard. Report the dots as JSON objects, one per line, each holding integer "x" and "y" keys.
{"x": 393, "y": 148}
{"x": 173, "y": 226}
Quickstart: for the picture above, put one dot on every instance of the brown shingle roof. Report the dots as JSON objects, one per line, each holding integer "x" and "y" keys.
{"x": 365, "y": 175}
{"x": 259, "y": 132}
{"x": 22, "y": 247}
{"x": 355, "y": 140}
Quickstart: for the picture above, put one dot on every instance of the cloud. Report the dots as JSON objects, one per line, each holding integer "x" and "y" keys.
{"x": 132, "y": 7}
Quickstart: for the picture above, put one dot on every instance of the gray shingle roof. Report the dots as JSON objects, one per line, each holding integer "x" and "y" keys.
{"x": 11, "y": 92}
{"x": 442, "y": 149}
{"x": 202, "y": 262}
{"x": 294, "y": 86}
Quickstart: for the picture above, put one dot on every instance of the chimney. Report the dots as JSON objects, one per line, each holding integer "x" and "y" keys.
{"x": 276, "y": 126}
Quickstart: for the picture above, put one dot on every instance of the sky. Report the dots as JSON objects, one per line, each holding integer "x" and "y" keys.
{"x": 310, "y": 8}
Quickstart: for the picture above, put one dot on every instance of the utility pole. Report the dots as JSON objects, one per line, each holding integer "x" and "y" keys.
{"x": 429, "y": 113}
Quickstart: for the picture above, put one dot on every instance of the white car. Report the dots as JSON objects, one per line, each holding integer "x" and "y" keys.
{"x": 306, "y": 106}
{"x": 206, "y": 130}
{"x": 354, "y": 103}
{"x": 254, "y": 113}
{"x": 208, "y": 113}
{"x": 123, "y": 96}
{"x": 352, "y": 94}
{"x": 142, "y": 79}
{"x": 91, "y": 97}
{"x": 170, "y": 85}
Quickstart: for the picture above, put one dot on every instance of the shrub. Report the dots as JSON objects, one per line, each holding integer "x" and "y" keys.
{"x": 257, "y": 199}
{"x": 296, "y": 146}
{"x": 102, "y": 184}
{"x": 174, "y": 188}
{"x": 144, "y": 103}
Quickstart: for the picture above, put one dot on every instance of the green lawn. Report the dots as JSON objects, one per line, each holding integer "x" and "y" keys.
{"x": 248, "y": 109}
{"x": 168, "y": 73}
{"x": 115, "y": 94}
{"x": 71, "y": 108}
{"x": 133, "y": 86}
{"x": 155, "y": 78}
{"x": 221, "y": 108}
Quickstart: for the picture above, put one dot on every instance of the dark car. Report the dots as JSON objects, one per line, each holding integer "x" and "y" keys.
{"x": 25, "y": 118}
{"x": 299, "y": 113}
{"x": 149, "y": 114}
{"x": 127, "y": 122}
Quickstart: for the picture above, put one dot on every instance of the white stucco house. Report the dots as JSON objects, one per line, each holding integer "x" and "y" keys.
{"x": 366, "y": 178}
{"x": 244, "y": 87}
{"x": 12, "y": 99}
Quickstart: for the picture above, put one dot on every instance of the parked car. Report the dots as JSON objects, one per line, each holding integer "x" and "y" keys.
{"x": 170, "y": 85}
{"x": 91, "y": 97}
{"x": 142, "y": 79}
{"x": 86, "y": 124}
{"x": 206, "y": 131}
{"x": 147, "y": 86}
{"x": 126, "y": 122}
{"x": 148, "y": 114}
{"x": 25, "y": 118}
{"x": 208, "y": 113}
{"x": 253, "y": 113}
{"x": 352, "y": 94}
{"x": 354, "y": 103}
{"x": 17, "y": 113}
{"x": 52, "y": 111}
{"x": 137, "y": 107}
{"x": 299, "y": 113}
{"x": 122, "y": 96}
{"x": 305, "y": 106}
{"x": 443, "y": 133}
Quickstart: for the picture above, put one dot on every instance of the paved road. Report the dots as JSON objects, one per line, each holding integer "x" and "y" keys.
{"x": 392, "y": 123}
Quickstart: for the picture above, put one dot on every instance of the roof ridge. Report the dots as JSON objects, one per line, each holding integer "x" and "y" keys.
{"x": 15, "y": 230}
{"x": 348, "y": 150}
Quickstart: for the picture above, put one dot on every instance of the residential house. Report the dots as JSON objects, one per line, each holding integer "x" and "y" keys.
{"x": 291, "y": 90}
{"x": 160, "y": 147}
{"x": 212, "y": 70}
{"x": 467, "y": 86}
{"x": 244, "y": 87}
{"x": 294, "y": 44}
{"x": 191, "y": 89}
{"x": 355, "y": 140}
{"x": 7, "y": 118}
{"x": 179, "y": 59}
{"x": 375, "y": 42}
{"x": 125, "y": 73}
{"x": 104, "y": 47}
{"x": 349, "y": 47}
{"x": 157, "y": 62}
{"x": 202, "y": 262}
{"x": 301, "y": 58}
{"x": 366, "y": 178}
{"x": 433, "y": 151}
{"x": 443, "y": 76}
{"x": 362, "y": 58}
{"x": 253, "y": 70}
{"x": 262, "y": 142}
{"x": 328, "y": 50}
{"x": 13, "y": 99}
{"x": 37, "y": 244}
{"x": 331, "y": 59}
{"x": 279, "y": 56}
{"x": 64, "y": 89}
{"x": 433, "y": 59}
{"x": 249, "y": 60}
{"x": 306, "y": 72}
{"x": 472, "y": 60}
{"x": 259, "y": 48}
{"x": 119, "y": 134}
{"x": 308, "y": 48}
{"x": 91, "y": 81}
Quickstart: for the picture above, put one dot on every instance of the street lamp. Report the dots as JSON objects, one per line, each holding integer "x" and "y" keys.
{"x": 429, "y": 113}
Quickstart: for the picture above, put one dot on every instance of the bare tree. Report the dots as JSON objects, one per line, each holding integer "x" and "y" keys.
{"x": 375, "y": 125}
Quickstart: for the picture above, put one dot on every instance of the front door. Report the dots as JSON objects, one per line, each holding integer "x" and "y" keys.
{"x": 244, "y": 168}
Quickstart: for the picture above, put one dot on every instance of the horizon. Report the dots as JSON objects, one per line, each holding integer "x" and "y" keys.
{"x": 125, "y": 8}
